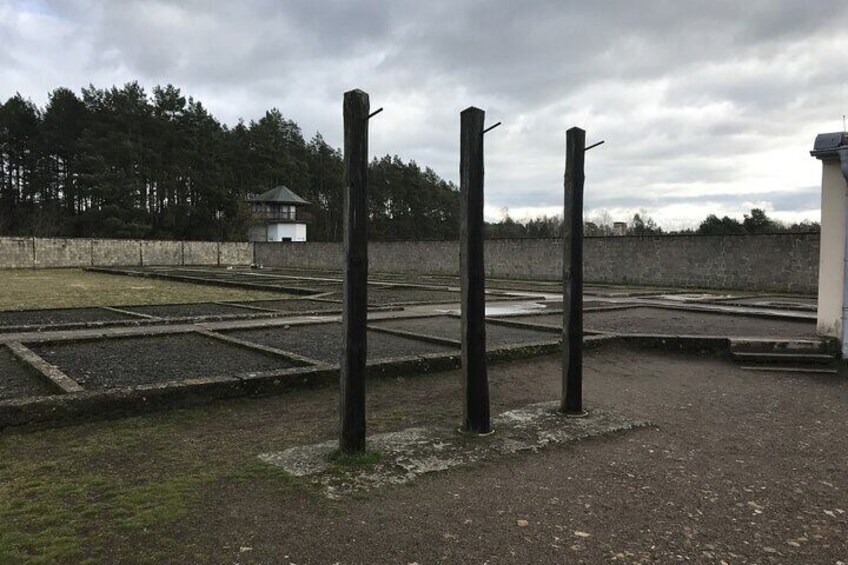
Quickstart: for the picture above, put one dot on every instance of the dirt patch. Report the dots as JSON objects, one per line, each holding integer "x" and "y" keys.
{"x": 323, "y": 342}
{"x": 681, "y": 322}
{"x": 449, "y": 327}
{"x": 17, "y": 380}
{"x": 109, "y": 363}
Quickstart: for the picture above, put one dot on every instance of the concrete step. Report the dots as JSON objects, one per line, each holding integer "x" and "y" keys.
{"x": 790, "y": 369}
{"x": 794, "y": 357}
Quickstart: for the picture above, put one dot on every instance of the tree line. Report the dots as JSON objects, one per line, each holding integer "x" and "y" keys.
{"x": 117, "y": 162}
{"x": 757, "y": 221}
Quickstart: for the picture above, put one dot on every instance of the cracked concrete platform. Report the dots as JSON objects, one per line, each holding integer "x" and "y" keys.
{"x": 408, "y": 454}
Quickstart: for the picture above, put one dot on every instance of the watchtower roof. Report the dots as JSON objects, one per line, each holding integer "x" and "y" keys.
{"x": 280, "y": 195}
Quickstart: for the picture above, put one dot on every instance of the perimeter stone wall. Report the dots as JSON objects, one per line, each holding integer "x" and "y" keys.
{"x": 164, "y": 253}
{"x": 63, "y": 252}
{"x": 47, "y": 253}
{"x": 786, "y": 262}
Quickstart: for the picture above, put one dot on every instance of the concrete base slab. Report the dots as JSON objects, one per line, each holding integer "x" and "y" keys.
{"x": 410, "y": 453}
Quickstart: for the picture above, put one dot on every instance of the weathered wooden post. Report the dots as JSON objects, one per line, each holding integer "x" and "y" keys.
{"x": 572, "y": 273}
{"x": 472, "y": 275}
{"x": 355, "y": 313}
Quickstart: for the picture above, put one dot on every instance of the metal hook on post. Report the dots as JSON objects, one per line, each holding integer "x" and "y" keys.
{"x": 375, "y": 112}
{"x": 595, "y": 145}
{"x": 490, "y": 128}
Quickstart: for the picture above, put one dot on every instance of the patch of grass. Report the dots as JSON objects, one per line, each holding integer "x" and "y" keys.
{"x": 96, "y": 492}
{"x": 70, "y": 288}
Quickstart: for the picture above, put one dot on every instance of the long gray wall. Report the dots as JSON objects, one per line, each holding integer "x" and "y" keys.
{"x": 44, "y": 253}
{"x": 766, "y": 262}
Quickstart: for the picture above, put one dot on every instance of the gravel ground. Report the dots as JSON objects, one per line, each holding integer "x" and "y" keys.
{"x": 542, "y": 286}
{"x": 286, "y": 305}
{"x": 60, "y": 316}
{"x": 587, "y": 303}
{"x": 323, "y": 342}
{"x": 387, "y": 296}
{"x": 110, "y": 363}
{"x": 775, "y": 301}
{"x": 449, "y": 327}
{"x": 661, "y": 321}
{"x": 190, "y": 310}
{"x": 552, "y": 320}
{"x": 738, "y": 468}
{"x": 17, "y": 380}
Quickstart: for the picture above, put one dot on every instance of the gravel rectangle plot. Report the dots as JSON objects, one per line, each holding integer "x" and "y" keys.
{"x": 60, "y": 316}
{"x": 18, "y": 380}
{"x": 323, "y": 342}
{"x": 550, "y": 320}
{"x": 449, "y": 327}
{"x": 383, "y": 296}
{"x": 190, "y": 310}
{"x": 682, "y": 322}
{"x": 110, "y": 363}
{"x": 587, "y": 303}
{"x": 288, "y": 305}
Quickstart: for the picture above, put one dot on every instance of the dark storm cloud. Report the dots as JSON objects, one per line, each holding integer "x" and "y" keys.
{"x": 695, "y": 98}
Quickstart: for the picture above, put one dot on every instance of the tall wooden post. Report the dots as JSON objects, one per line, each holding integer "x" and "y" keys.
{"x": 355, "y": 313}
{"x": 473, "y": 281}
{"x": 572, "y": 273}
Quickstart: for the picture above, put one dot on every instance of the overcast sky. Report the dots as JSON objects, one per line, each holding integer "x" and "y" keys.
{"x": 705, "y": 106}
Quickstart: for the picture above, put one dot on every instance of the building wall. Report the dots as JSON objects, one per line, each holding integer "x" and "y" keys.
{"x": 280, "y": 232}
{"x": 766, "y": 262}
{"x": 44, "y": 253}
{"x": 832, "y": 257}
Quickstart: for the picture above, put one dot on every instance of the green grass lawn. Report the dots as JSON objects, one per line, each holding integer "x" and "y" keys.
{"x": 145, "y": 489}
{"x": 68, "y": 288}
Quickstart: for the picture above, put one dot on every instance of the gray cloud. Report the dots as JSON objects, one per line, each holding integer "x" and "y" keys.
{"x": 699, "y": 101}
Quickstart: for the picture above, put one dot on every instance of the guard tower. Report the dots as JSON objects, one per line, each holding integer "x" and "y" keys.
{"x": 277, "y": 216}
{"x": 832, "y": 318}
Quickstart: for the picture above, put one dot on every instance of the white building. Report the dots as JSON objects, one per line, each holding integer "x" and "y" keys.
{"x": 276, "y": 216}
